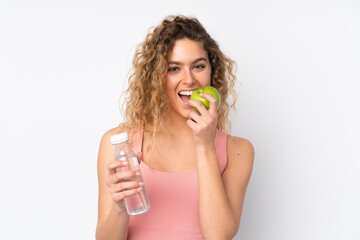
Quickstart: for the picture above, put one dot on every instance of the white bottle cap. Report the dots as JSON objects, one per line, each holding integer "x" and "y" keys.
{"x": 119, "y": 138}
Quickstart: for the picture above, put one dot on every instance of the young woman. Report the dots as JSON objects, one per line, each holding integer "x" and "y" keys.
{"x": 194, "y": 173}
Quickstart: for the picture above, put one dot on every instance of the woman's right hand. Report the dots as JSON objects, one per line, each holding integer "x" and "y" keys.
{"x": 122, "y": 182}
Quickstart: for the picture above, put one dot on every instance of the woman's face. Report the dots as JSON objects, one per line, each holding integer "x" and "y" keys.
{"x": 189, "y": 69}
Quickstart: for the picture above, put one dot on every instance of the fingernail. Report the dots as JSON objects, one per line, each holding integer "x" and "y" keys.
{"x": 141, "y": 184}
{"x": 139, "y": 189}
{"x": 137, "y": 173}
{"x": 124, "y": 162}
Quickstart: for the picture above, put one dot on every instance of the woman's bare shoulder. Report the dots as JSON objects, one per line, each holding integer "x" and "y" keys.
{"x": 105, "y": 143}
{"x": 239, "y": 144}
{"x": 240, "y": 152}
{"x": 114, "y": 131}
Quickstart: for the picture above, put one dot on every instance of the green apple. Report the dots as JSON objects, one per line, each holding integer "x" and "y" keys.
{"x": 210, "y": 90}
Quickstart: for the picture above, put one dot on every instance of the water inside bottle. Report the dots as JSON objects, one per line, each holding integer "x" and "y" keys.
{"x": 138, "y": 203}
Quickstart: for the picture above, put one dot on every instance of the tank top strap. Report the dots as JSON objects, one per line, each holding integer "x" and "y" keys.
{"x": 221, "y": 149}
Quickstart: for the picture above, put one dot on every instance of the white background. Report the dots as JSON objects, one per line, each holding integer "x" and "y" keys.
{"x": 63, "y": 65}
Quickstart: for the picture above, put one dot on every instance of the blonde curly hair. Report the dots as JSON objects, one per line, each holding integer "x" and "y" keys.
{"x": 145, "y": 99}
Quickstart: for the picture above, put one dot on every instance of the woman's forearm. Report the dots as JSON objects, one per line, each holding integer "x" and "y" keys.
{"x": 114, "y": 227}
{"x": 217, "y": 220}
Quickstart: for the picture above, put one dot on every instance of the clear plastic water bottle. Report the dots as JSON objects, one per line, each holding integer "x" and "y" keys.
{"x": 137, "y": 203}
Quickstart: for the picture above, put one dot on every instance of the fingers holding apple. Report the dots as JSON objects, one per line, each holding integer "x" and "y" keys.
{"x": 212, "y": 102}
{"x": 199, "y": 95}
{"x": 203, "y": 120}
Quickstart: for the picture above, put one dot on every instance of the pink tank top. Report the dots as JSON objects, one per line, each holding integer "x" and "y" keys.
{"x": 173, "y": 197}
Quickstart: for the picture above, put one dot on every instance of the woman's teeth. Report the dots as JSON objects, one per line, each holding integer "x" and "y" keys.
{"x": 186, "y": 93}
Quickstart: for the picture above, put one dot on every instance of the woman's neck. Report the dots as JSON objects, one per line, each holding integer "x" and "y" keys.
{"x": 174, "y": 125}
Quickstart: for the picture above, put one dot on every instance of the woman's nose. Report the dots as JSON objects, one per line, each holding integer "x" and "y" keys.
{"x": 188, "y": 76}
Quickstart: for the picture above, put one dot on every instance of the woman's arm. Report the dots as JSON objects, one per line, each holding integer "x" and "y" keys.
{"x": 113, "y": 219}
{"x": 220, "y": 197}
{"x": 114, "y": 226}
{"x": 237, "y": 173}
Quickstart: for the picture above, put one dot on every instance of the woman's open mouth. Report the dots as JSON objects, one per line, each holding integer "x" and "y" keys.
{"x": 185, "y": 95}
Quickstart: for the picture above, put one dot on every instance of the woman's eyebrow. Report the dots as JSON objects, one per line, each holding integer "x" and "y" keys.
{"x": 200, "y": 59}
{"x": 195, "y": 61}
{"x": 174, "y": 62}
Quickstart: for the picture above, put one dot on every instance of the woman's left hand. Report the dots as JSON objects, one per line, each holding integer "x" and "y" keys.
{"x": 204, "y": 125}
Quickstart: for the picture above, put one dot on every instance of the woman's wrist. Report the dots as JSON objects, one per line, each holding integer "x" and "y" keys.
{"x": 120, "y": 209}
{"x": 205, "y": 147}
{"x": 205, "y": 151}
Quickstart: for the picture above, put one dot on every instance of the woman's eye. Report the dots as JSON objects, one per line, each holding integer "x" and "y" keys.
{"x": 199, "y": 66}
{"x": 173, "y": 69}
